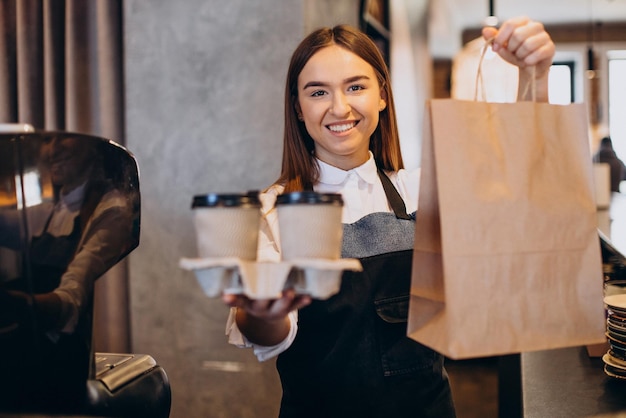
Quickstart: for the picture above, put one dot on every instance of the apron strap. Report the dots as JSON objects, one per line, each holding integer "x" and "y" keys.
{"x": 394, "y": 198}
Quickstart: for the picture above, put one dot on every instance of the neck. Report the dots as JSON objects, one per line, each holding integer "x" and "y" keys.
{"x": 346, "y": 163}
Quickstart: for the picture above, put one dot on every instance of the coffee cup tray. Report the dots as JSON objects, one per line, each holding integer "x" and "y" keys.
{"x": 319, "y": 278}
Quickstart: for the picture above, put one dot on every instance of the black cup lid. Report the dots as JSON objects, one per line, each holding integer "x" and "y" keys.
{"x": 309, "y": 198}
{"x": 226, "y": 200}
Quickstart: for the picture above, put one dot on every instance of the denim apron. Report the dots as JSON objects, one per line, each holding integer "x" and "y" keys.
{"x": 351, "y": 356}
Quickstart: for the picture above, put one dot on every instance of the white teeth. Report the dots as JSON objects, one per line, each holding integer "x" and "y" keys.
{"x": 341, "y": 128}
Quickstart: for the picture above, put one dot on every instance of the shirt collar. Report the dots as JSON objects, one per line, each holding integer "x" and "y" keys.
{"x": 333, "y": 175}
{"x": 74, "y": 199}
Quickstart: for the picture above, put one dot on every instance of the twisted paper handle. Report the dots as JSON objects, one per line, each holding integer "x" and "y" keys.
{"x": 479, "y": 77}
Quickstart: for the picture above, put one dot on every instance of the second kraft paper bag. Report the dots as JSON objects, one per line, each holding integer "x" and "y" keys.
{"x": 507, "y": 255}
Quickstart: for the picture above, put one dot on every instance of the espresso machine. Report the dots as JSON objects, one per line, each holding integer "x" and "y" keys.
{"x": 69, "y": 211}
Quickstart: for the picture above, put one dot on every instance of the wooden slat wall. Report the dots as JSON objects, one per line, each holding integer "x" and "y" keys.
{"x": 573, "y": 32}
{"x": 561, "y": 33}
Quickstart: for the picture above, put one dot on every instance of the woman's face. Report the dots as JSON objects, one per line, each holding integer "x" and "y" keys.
{"x": 339, "y": 99}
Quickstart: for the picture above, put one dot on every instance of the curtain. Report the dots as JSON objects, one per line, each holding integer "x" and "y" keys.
{"x": 63, "y": 70}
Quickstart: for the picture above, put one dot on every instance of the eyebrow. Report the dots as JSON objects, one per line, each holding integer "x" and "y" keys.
{"x": 346, "y": 81}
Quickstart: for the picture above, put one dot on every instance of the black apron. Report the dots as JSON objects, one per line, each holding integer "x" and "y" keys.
{"x": 351, "y": 356}
{"x": 48, "y": 373}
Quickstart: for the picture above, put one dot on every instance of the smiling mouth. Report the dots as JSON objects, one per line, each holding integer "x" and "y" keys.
{"x": 343, "y": 127}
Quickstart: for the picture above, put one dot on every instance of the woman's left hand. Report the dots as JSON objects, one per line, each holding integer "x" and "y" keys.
{"x": 522, "y": 42}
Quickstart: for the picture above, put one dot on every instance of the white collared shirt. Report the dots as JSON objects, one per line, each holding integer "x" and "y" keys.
{"x": 362, "y": 190}
{"x": 65, "y": 211}
{"x": 362, "y": 194}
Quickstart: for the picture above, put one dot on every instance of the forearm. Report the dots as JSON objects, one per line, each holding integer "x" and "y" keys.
{"x": 262, "y": 331}
{"x": 103, "y": 242}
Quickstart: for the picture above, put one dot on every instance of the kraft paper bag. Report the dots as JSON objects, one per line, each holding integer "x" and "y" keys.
{"x": 507, "y": 254}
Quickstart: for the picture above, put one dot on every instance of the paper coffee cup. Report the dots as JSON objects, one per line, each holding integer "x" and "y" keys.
{"x": 227, "y": 225}
{"x": 310, "y": 225}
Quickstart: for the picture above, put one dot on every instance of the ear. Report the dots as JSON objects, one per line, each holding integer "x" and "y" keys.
{"x": 382, "y": 104}
{"x": 298, "y": 110}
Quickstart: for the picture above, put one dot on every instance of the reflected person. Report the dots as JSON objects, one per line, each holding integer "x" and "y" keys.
{"x": 74, "y": 239}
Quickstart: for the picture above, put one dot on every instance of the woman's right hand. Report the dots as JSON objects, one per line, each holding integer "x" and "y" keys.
{"x": 265, "y": 321}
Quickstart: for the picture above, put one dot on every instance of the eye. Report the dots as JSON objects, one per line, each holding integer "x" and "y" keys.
{"x": 318, "y": 93}
{"x": 356, "y": 87}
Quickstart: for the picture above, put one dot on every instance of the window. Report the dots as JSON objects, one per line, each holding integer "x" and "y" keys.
{"x": 617, "y": 100}
{"x": 561, "y": 82}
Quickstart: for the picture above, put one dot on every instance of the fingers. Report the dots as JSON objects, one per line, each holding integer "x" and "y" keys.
{"x": 489, "y": 32}
{"x": 233, "y": 300}
{"x": 301, "y": 301}
{"x": 522, "y": 42}
{"x": 511, "y": 34}
{"x": 269, "y": 309}
{"x": 273, "y": 308}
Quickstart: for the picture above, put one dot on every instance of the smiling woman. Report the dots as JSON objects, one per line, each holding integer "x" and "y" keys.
{"x": 349, "y": 355}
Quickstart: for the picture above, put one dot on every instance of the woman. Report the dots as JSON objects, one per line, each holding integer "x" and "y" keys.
{"x": 349, "y": 355}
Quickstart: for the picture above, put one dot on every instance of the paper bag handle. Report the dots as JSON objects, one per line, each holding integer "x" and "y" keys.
{"x": 479, "y": 77}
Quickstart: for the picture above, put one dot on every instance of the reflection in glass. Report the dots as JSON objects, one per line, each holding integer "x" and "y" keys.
{"x": 69, "y": 211}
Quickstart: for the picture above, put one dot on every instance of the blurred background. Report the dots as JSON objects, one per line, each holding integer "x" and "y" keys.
{"x": 194, "y": 89}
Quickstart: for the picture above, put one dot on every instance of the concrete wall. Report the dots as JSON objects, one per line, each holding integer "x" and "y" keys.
{"x": 204, "y": 108}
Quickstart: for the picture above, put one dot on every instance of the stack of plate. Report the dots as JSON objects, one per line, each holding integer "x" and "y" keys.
{"x": 615, "y": 358}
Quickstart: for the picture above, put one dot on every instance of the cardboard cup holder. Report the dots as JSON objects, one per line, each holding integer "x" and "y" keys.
{"x": 319, "y": 278}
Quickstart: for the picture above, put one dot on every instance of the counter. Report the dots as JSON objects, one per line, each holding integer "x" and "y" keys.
{"x": 565, "y": 382}
{"x": 569, "y": 383}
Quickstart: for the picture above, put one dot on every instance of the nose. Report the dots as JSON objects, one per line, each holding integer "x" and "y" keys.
{"x": 340, "y": 105}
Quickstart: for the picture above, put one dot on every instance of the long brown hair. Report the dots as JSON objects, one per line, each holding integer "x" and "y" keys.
{"x": 299, "y": 167}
